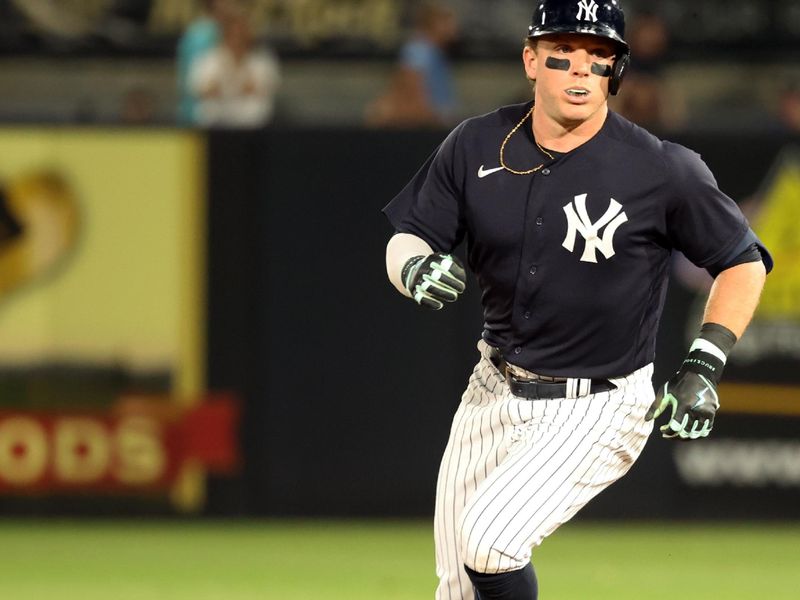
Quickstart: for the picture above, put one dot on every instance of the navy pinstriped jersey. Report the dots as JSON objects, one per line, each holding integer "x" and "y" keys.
{"x": 572, "y": 260}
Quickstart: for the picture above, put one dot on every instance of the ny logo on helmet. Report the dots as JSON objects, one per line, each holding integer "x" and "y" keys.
{"x": 578, "y": 221}
{"x": 587, "y": 10}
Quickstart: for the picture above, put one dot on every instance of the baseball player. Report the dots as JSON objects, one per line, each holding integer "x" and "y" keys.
{"x": 570, "y": 214}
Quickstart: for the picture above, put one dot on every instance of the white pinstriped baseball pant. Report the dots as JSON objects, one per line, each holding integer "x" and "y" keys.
{"x": 514, "y": 470}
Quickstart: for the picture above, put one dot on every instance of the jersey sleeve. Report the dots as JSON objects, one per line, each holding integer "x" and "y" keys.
{"x": 749, "y": 249}
{"x": 430, "y": 206}
{"x": 702, "y": 222}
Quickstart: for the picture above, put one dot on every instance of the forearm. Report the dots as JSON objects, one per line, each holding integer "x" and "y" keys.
{"x": 734, "y": 296}
{"x": 400, "y": 248}
{"x": 691, "y": 393}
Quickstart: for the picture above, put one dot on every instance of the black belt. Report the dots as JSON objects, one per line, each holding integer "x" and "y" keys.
{"x": 530, "y": 389}
{"x": 533, "y": 389}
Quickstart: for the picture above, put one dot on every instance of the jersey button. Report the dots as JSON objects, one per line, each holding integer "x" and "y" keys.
{"x": 539, "y": 220}
{"x": 518, "y": 350}
{"x": 527, "y": 314}
{"x": 533, "y": 270}
{"x": 545, "y": 172}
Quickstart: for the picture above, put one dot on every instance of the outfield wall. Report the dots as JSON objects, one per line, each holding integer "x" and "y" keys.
{"x": 350, "y": 388}
{"x": 346, "y": 388}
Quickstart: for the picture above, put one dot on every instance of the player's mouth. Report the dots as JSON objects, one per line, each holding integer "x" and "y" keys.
{"x": 577, "y": 94}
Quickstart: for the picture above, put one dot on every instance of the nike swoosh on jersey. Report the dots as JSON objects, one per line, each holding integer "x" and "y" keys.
{"x": 484, "y": 172}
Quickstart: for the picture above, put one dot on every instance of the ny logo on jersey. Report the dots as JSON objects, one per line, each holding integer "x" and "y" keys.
{"x": 587, "y": 10}
{"x": 578, "y": 221}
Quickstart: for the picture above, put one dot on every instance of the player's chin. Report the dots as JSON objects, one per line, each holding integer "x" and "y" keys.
{"x": 575, "y": 113}
{"x": 583, "y": 107}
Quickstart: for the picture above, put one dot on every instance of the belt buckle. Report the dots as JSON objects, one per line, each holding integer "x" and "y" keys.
{"x": 510, "y": 371}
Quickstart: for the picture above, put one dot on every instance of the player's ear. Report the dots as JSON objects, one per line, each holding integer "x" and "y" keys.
{"x": 529, "y": 59}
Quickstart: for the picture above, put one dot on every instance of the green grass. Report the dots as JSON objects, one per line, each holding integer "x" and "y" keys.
{"x": 374, "y": 561}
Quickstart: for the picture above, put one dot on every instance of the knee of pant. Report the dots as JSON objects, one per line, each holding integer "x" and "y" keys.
{"x": 479, "y": 560}
{"x": 475, "y": 549}
{"x": 480, "y": 548}
{"x": 481, "y": 555}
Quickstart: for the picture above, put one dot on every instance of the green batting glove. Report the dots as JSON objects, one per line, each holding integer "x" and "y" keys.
{"x": 691, "y": 395}
{"x": 434, "y": 279}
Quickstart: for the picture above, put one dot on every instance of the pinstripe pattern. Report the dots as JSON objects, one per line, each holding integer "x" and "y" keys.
{"x": 514, "y": 470}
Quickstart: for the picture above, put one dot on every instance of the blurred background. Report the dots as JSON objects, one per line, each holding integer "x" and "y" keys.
{"x": 195, "y": 322}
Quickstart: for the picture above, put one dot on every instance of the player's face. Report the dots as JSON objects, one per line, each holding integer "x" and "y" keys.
{"x": 567, "y": 89}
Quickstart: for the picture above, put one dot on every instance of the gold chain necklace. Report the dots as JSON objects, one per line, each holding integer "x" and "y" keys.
{"x": 508, "y": 137}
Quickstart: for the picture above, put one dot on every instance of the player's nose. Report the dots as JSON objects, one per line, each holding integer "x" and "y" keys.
{"x": 581, "y": 63}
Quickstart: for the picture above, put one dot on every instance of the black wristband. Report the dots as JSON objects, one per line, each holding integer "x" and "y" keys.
{"x": 708, "y": 357}
{"x": 719, "y": 335}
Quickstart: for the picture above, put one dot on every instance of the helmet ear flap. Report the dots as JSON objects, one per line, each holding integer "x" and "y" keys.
{"x": 618, "y": 73}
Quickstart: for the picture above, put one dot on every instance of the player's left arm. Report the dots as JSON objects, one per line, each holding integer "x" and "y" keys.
{"x": 734, "y": 296}
{"x": 691, "y": 393}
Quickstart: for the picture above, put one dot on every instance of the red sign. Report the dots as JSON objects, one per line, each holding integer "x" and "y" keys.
{"x": 140, "y": 444}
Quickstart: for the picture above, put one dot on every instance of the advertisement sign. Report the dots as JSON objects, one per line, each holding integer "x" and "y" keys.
{"x": 101, "y": 297}
{"x": 140, "y": 445}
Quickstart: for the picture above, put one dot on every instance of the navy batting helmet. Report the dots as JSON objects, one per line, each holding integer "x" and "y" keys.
{"x": 604, "y": 19}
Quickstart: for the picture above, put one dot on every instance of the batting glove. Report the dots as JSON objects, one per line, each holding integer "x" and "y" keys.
{"x": 691, "y": 395}
{"x": 693, "y": 402}
{"x": 434, "y": 279}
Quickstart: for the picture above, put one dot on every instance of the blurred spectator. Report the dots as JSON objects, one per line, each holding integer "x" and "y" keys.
{"x": 641, "y": 100}
{"x": 200, "y": 37}
{"x": 645, "y": 98}
{"x": 789, "y": 107}
{"x": 421, "y": 90}
{"x": 139, "y": 106}
{"x": 649, "y": 39}
{"x": 236, "y": 81}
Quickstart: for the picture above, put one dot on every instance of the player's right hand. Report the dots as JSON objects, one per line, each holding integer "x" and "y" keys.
{"x": 434, "y": 279}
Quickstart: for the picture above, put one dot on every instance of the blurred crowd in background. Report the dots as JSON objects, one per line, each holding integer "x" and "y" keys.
{"x": 384, "y": 63}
